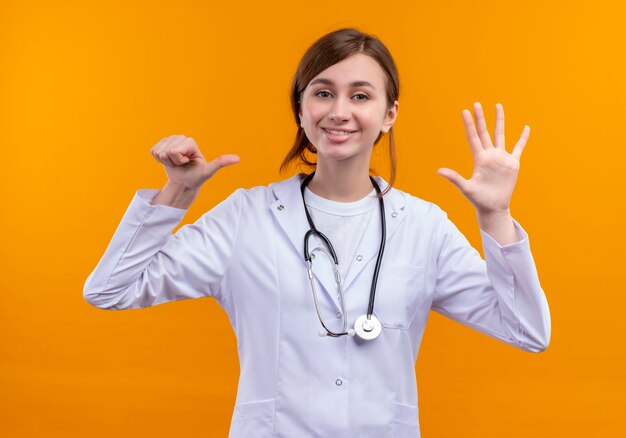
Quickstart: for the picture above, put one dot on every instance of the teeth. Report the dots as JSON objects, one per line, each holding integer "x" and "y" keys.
{"x": 332, "y": 131}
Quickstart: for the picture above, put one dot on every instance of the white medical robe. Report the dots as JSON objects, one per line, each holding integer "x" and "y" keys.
{"x": 247, "y": 253}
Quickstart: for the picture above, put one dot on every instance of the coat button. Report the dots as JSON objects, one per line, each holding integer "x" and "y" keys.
{"x": 280, "y": 207}
{"x": 338, "y": 315}
{"x": 338, "y": 382}
{"x": 359, "y": 257}
{"x": 394, "y": 214}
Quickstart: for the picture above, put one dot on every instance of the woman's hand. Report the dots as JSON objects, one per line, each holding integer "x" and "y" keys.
{"x": 495, "y": 170}
{"x": 184, "y": 164}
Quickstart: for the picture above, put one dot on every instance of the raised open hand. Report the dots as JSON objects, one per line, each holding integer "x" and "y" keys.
{"x": 495, "y": 170}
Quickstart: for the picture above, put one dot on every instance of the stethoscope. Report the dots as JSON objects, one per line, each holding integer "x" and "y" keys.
{"x": 366, "y": 327}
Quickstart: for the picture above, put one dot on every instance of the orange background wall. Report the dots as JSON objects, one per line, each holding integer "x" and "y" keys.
{"x": 87, "y": 88}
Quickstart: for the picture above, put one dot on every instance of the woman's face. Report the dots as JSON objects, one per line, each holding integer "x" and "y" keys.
{"x": 344, "y": 109}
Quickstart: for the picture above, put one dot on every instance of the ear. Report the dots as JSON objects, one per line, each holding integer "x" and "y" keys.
{"x": 390, "y": 117}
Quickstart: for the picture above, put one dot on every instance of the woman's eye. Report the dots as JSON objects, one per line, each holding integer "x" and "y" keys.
{"x": 323, "y": 94}
{"x": 361, "y": 96}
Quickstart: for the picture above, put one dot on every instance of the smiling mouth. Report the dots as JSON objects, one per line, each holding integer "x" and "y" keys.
{"x": 338, "y": 132}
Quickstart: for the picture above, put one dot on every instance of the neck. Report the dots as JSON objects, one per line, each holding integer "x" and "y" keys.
{"x": 341, "y": 183}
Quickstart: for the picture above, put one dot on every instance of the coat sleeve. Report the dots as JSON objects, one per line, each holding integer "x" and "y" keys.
{"x": 145, "y": 264}
{"x": 499, "y": 296}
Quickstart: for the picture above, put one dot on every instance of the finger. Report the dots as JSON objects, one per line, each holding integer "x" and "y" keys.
{"x": 177, "y": 157}
{"x": 471, "y": 134}
{"x": 157, "y": 147}
{"x": 157, "y": 156}
{"x": 498, "y": 132}
{"x": 168, "y": 140}
{"x": 164, "y": 143}
{"x": 165, "y": 159}
{"x": 219, "y": 162}
{"x": 521, "y": 143}
{"x": 163, "y": 140}
{"x": 228, "y": 159}
{"x": 184, "y": 151}
{"x": 481, "y": 126}
{"x": 454, "y": 178}
{"x": 160, "y": 150}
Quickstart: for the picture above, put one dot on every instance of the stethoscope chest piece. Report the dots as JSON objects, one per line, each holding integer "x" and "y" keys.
{"x": 367, "y": 328}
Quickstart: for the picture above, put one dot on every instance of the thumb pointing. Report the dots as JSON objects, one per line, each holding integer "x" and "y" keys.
{"x": 219, "y": 162}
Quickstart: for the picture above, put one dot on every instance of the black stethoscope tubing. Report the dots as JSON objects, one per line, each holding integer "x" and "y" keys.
{"x": 313, "y": 231}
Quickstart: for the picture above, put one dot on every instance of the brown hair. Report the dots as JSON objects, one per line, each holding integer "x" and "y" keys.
{"x": 325, "y": 52}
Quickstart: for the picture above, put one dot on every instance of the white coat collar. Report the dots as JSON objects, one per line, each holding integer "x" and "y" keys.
{"x": 289, "y": 213}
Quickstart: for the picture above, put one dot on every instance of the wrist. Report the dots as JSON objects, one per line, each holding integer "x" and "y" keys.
{"x": 175, "y": 195}
{"x": 494, "y": 214}
{"x": 178, "y": 188}
{"x": 499, "y": 225}
{"x": 493, "y": 219}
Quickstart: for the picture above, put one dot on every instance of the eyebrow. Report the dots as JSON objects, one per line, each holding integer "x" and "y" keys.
{"x": 353, "y": 84}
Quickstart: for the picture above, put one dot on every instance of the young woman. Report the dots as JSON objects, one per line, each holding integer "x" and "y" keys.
{"x": 328, "y": 278}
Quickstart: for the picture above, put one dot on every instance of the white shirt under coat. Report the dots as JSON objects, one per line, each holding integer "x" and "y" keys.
{"x": 247, "y": 253}
{"x": 343, "y": 223}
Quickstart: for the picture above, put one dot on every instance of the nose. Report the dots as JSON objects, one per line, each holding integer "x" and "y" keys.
{"x": 339, "y": 111}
